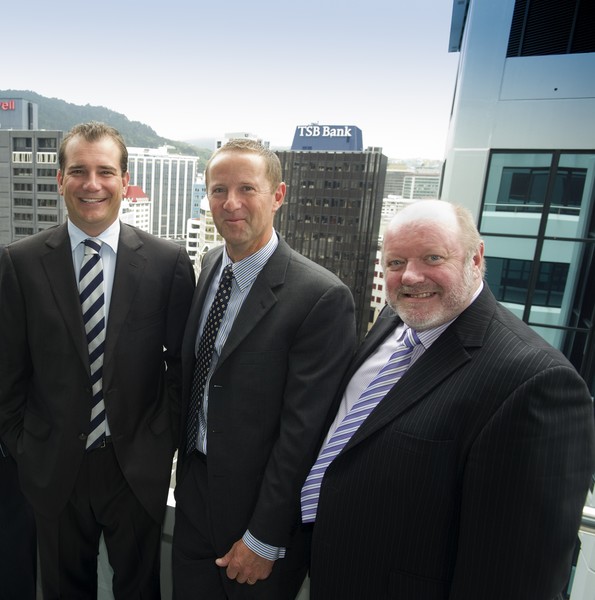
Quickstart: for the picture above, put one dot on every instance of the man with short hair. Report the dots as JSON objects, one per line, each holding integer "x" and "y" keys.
{"x": 92, "y": 315}
{"x": 469, "y": 446}
{"x": 268, "y": 338}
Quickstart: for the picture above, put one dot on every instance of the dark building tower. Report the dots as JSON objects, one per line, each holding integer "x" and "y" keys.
{"x": 331, "y": 214}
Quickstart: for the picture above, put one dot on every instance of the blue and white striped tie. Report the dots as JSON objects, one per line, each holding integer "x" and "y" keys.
{"x": 386, "y": 378}
{"x": 93, "y": 305}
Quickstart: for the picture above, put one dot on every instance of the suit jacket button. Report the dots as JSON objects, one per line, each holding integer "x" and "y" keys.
{"x": 82, "y": 436}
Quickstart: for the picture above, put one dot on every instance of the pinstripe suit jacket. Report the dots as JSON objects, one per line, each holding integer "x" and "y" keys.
{"x": 468, "y": 480}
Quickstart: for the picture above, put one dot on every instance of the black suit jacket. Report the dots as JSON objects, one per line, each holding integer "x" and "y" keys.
{"x": 45, "y": 395}
{"x": 468, "y": 480}
{"x": 270, "y": 392}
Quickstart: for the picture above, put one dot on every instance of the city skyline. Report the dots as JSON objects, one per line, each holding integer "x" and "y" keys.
{"x": 194, "y": 71}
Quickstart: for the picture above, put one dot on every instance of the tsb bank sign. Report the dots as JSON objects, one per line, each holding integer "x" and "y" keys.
{"x": 324, "y": 131}
{"x": 331, "y": 138}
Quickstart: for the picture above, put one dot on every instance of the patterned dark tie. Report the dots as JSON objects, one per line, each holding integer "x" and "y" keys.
{"x": 204, "y": 356}
{"x": 93, "y": 305}
{"x": 386, "y": 378}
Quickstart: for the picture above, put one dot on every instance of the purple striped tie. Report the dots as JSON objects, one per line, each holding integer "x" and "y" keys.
{"x": 386, "y": 378}
{"x": 92, "y": 302}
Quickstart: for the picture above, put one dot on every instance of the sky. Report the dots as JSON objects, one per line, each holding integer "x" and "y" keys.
{"x": 192, "y": 69}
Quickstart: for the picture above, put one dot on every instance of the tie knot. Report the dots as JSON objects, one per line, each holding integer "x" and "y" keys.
{"x": 410, "y": 340}
{"x": 92, "y": 246}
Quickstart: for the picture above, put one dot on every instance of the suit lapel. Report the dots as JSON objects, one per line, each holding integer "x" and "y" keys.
{"x": 260, "y": 300}
{"x": 57, "y": 262}
{"x": 130, "y": 267}
{"x": 447, "y": 354}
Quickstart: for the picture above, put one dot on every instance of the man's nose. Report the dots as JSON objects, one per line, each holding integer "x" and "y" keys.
{"x": 413, "y": 273}
{"x": 92, "y": 182}
{"x": 232, "y": 201}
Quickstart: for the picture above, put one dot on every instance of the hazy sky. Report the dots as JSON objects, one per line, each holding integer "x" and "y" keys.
{"x": 192, "y": 69}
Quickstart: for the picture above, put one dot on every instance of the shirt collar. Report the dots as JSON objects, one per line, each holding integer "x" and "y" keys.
{"x": 246, "y": 270}
{"x": 109, "y": 236}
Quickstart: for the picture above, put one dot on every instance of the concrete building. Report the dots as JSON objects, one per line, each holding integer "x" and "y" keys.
{"x": 420, "y": 186}
{"x": 136, "y": 208}
{"x": 29, "y": 198}
{"x": 331, "y": 214}
{"x": 168, "y": 180}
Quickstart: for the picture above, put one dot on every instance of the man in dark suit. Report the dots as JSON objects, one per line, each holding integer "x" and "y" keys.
{"x": 89, "y": 393}
{"x": 467, "y": 479}
{"x": 284, "y": 340}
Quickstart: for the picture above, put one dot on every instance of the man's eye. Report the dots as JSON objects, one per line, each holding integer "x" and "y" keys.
{"x": 434, "y": 258}
{"x": 395, "y": 264}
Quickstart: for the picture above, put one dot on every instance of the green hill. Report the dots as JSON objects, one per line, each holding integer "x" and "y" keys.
{"x": 61, "y": 115}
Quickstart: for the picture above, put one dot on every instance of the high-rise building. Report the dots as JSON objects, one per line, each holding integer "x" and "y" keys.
{"x": 17, "y": 113}
{"x": 332, "y": 211}
{"x": 168, "y": 180}
{"x": 29, "y": 198}
{"x": 521, "y": 157}
{"x": 420, "y": 186}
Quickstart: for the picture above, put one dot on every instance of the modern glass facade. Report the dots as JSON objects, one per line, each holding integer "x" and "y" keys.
{"x": 538, "y": 221}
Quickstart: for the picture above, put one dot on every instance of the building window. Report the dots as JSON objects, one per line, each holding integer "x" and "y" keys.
{"x": 23, "y": 230}
{"x": 541, "y": 27}
{"x": 20, "y": 144}
{"x": 509, "y": 279}
{"x": 46, "y": 173}
{"x": 47, "y": 202}
{"x": 538, "y": 222}
{"x": 47, "y": 187}
{"x": 22, "y": 172}
{"x": 22, "y": 201}
{"x": 47, "y": 143}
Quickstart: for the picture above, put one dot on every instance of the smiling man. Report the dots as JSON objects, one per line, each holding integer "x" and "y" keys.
{"x": 258, "y": 381}
{"x": 462, "y": 448}
{"x": 92, "y": 314}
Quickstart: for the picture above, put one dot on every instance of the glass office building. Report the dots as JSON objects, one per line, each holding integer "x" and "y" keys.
{"x": 331, "y": 214}
{"x": 521, "y": 157}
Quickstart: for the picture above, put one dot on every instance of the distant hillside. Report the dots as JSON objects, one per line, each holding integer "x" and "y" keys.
{"x": 58, "y": 114}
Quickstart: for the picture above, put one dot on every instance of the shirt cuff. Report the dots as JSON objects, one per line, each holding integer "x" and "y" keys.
{"x": 263, "y": 550}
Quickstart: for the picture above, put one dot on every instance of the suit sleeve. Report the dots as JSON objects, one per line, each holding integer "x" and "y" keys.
{"x": 15, "y": 360}
{"x": 524, "y": 488}
{"x": 317, "y": 361}
{"x": 180, "y": 297}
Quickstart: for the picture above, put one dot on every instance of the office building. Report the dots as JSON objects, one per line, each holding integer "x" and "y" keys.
{"x": 29, "y": 198}
{"x": 421, "y": 186}
{"x": 521, "y": 157}
{"x": 136, "y": 208}
{"x": 17, "y": 113}
{"x": 168, "y": 180}
{"x": 332, "y": 211}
